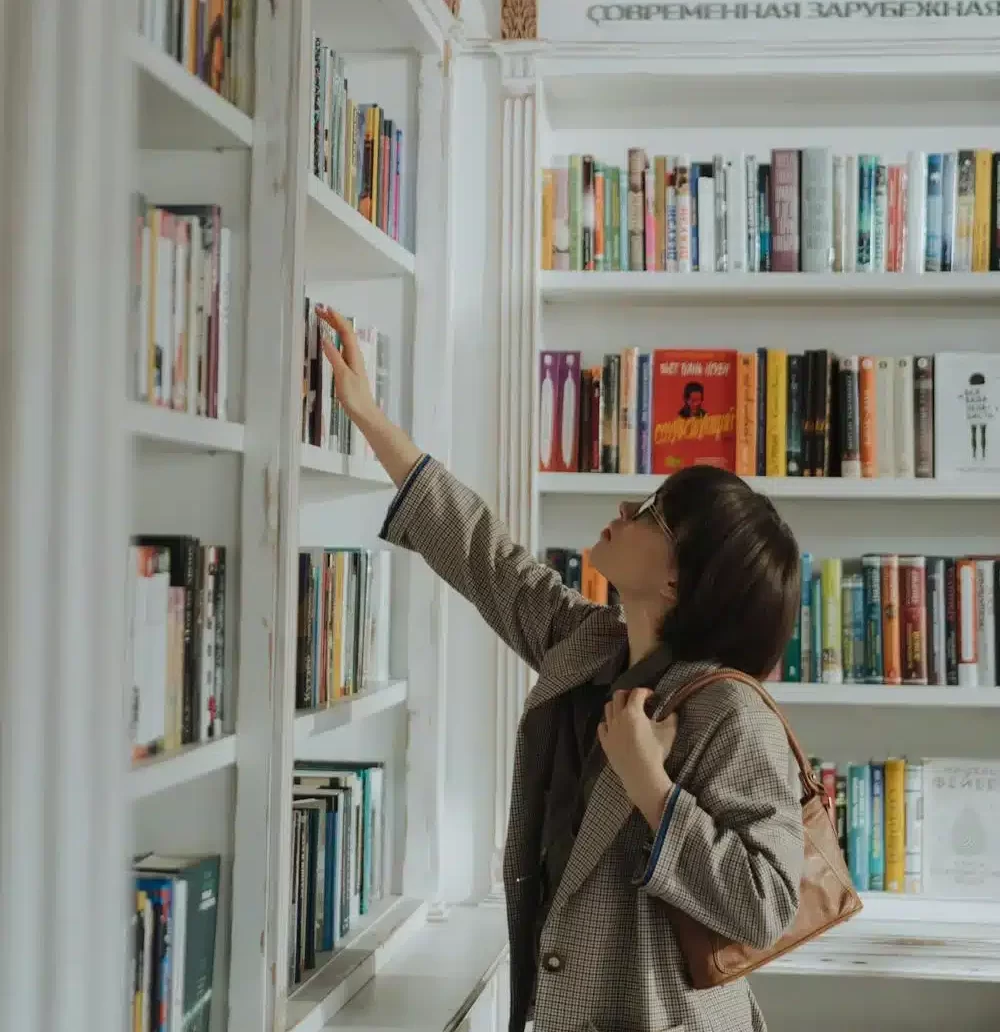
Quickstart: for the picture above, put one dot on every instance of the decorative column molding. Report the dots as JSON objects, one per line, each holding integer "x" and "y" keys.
{"x": 65, "y": 177}
{"x": 433, "y": 360}
{"x": 517, "y": 362}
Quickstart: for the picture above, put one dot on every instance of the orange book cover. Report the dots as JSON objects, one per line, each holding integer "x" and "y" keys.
{"x": 746, "y": 414}
{"x": 593, "y": 582}
{"x": 600, "y": 195}
{"x": 892, "y": 656}
{"x": 548, "y": 197}
{"x": 694, "y": 410}
{"x": 868, "y": 414}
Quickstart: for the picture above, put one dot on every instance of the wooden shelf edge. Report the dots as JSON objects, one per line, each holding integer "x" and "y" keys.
{"x": 343, "y": 712}
{"x": 391, "y": 251}
{"x": 790, "y": 693}
{"x": 161, "y": 773}
{"x": 358, "y": 958}
{"x": 823, "y": 488}
{"x": 189, "y": 89}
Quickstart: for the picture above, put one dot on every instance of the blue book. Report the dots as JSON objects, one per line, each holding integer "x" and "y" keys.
{"x": 858, "y": 823}
{"x": 693, "y": 188}
{"x": 876, "y": 837}
{"x": 949, "y": 200}
{"x": 805, "y": 619}
{"x": 161, "y": 894}
{"x": 867, "y": 163}
{"x": 623, "y": 219}
{"x": 645, "y": 387}
{"x": 871, "y": 575}
{"x": 816, "y": 622}
{"x": 935, "y": 212}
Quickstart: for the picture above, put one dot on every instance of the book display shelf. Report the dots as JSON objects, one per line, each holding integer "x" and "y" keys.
{"x": 266, "y": 505}
{"x": 743, "y": 104}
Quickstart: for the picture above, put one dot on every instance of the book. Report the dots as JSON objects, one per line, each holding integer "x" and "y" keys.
{"x": 966, "y": 402}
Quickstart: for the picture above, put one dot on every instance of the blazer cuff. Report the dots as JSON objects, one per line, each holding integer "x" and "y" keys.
{"x": 681, "y": 808}
{"x": 407, "y": 500}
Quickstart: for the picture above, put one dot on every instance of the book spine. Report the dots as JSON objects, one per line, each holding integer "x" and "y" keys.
{"x": 776, "y": 445}
{"x": 871, "y": 574}
{"x": 548, "y": 217}
{"x": 923, "y": 388}
{"x": 649, "y": 218}
{"x": 949, "y": 209}
{"x": 760, "y": 462}
{"x": 876, "y": 837}
{"x": 951, "y": 621}
{"x": 825, "y": 399}
{"x": 218, "y": 710}
{"x": 575, "y": 182}
{"x": 914, "y": 254}
{"x": 791, "y": 664}
{"x": 796, "y": 397}
{"x": 935, "y": 205}
{"x": 936, "y": 648}
{"x": 913, "y": 618}
{"x": 904, "y": 419}
{"x": 736, "y": 214}
{"x": 805, "y": 619}
{"x": 623, "y": 220}
{"x": 817, "y": 209}
{"x": 852, "y": 190}
{"x": 968, "y": 623}
{"x": 833, "y": 669}
{"x": 913, "y": 802}
{"x": 721, "y": 215}
{"x": 595, "y": 444}
{"x": 885, "y": 417}
{"x": 670, "y": 204}
{"x": 859, "y": 824}
{"x": 636, "y": 210}
{"x": 660, "y": 213}
{"x": 816, "y": 625}
{"x": 866, "y": 210}
{"x": 868, "y": 415}
{"x": 892, "y": 672}
{"x": 981, "y": 227}
{"x": 588, "y": 213}
{"x": 746, "y": 414}
{"x": 750, "y": 190}
{"x": 628, "y": 404}
{"x": 682, "y": 179}
{"x": 995, "y": 215}
{"x": 560, "y": 218}
{"x": 696, "y": 242}
{"x": 880, "y": 218}
{"x": 895, "y": 825}
{"x": 764, "y": 216}
{"x": 785, "y": 255}
{"x": 850, "y": 421}
{"x": 853, "y": 629}
{"x": 610, "y": 393}
{"x": 840, "y": 234}
{"x": 600, "y": 244}
{"x": 707, "y": 244}
{"x": 809, "y": 414}
{"x": 644, "y": 457}
{"x": 986, "y": 624}
{"x": 840, "y": 814}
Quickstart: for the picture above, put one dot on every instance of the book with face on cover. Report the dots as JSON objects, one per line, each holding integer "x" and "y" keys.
{"x": 966, "y": 415}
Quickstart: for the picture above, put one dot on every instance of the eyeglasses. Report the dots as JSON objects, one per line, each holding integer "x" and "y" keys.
{"x": 650, "y": 508}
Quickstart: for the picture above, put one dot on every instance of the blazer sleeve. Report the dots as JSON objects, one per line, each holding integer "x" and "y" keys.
{"x": 729, "y": 850}
{"x": 522, "y": 599}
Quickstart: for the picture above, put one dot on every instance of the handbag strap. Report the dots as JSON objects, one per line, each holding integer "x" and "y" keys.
{"x": 810, "y": 783}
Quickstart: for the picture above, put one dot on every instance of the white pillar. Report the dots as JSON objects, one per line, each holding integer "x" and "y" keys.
{"x": 65, "y": 108}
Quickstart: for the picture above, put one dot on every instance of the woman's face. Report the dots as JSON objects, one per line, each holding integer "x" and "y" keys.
{"x": 636, "y": 553}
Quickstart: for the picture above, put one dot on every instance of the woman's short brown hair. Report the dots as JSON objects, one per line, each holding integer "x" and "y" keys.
{"x": 738, "y": 577}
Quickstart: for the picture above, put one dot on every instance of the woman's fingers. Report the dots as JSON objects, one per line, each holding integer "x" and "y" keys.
{"x": 351, "y": 353}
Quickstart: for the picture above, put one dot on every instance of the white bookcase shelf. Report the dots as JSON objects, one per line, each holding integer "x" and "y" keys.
{"x": 179, "y": 111}
{"x": 181, "y": 431}
{"x": 343, "y": 712}
{"x": 358, "y": 959}
{"x": 323, "y": 462}
{"x": 160, "y": 773}
{"x": 820, "y": 488}
{"x": 742, "y": 288}
{"x": 343, "y": 244}
{"x": 883, "y": 695}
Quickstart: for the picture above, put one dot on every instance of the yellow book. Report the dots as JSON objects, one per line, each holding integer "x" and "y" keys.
{"x": 895, "y": 825}
{"x": 776, "y": 428}
{"x": 832, "y": 665}
{"x": 981, "y": 228}
{"x": 548, "y": 196}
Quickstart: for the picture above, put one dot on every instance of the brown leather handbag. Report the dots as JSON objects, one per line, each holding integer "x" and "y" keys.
{"x": 826, "y": 895}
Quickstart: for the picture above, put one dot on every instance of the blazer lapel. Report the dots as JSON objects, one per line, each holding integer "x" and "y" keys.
{"x": 609, "y": 807}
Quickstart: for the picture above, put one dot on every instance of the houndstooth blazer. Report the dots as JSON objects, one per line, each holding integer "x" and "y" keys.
{"x": 729, "y": 850}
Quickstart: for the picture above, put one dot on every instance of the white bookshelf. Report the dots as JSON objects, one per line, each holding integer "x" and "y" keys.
{"x": 351, "y": 710}
{"x": 166, "y": 427}
{"x": 676, "y": 103}
{"x": 357, "y": 468}
{"x": 162, "y": 773}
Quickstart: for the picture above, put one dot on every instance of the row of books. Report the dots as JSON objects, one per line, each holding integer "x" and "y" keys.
{"x": 338, "y": 851}
{"x": 355, "y": 149}
{"x": 769, "y": 413}
{"x": 897, "y": 619}
{"x": 174, "y": 917}
{"x": 181, "y": 292}
{"x": 929, "y": 826}
{"x": 343, "y": 624}
{"x": 176, "y": 643}
{"x": 325, "y": 423}
{"x": 213, "y": 40}
{"x": 803, "y": 210}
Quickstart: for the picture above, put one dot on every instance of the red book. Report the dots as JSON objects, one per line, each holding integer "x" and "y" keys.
{"x": 913, "y": 617}
{"x": 694, "y": 410}
{"x": 785, "y": 203}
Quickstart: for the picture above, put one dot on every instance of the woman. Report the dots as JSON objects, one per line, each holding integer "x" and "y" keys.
{"x": 617, "y": 817}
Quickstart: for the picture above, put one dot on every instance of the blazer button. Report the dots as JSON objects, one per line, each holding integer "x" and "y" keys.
{"x": 553, "y": 962}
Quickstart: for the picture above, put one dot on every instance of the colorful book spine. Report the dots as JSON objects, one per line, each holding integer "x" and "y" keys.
{"x": 816, "y": 622}
{"x": 936, "y": 623}
{"x": 628, "y": 405}
{"x": 867, "y": 415}
{"x": 895, "y": 825}
{"x": 776, "y": 444}
{"x": 644, "y": 457}
{"x": 850, "y": 417}
{"x": 853, "y": 623}
{"x": 968, "y": 623}
{"x": 796, "y": 398}
{"x": 935, "y": 212}
{"x": 871, "y": 573}
{"x": 832, "y": 667}
{"x": 913, "y": 618}
{"x": 859, "y": 823}
{"x": 892, "y": 671}
{"x": 805, "y": 620}
{"x": 746, "y": 414}
{"x": 876, "y": 833}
